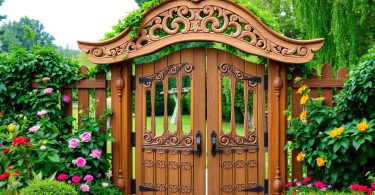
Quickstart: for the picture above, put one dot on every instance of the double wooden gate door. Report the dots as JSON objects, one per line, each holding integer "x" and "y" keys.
{"x": 202, "y": 153}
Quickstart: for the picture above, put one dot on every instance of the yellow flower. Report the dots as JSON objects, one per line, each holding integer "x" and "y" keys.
{"x": 362, "y": 126}
{"x": 320, "y": 161}
{"x": 300, "y": 156}
{"x": 304, "y": 99}
{"x": 11, "y": 127}
{"x": 289, "y": 118}
{"x": 44, "y": 142}
{"x": 303, "y": 115}
{"x": 319, "y": 98}
{"x": 302, "y": 89}
{"x": 336, "y": 132}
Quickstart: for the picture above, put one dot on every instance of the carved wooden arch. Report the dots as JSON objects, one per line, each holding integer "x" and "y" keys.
{"x": 197, "y": 20}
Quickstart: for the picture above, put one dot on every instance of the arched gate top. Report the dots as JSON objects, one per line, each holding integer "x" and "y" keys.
{"x": 201, "y": 20}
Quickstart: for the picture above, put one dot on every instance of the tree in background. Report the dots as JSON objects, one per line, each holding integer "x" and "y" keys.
{"x": 348, "y": 28}
{"x": 24, "y": 33}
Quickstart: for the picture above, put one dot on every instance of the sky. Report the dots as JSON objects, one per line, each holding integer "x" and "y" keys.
{"x": 70, "y": 20}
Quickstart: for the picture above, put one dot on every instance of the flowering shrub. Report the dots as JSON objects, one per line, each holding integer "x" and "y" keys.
{"x": 337, "y": 143}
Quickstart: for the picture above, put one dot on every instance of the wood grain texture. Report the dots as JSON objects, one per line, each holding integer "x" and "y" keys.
{"x": 276, "y": 124}
{"x": 83, "y": 98}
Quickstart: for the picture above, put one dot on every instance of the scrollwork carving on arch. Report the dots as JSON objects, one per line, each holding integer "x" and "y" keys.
{"x": 193, "y": 20}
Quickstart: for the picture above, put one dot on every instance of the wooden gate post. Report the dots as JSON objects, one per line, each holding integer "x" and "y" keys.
{"x": 277, "y": 103}
{"x": 121, "y": 96}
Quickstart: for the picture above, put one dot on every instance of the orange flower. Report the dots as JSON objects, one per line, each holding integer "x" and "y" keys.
{"x": 362, "y": 126}
{"x": 303, "y": 116}
{"x": 302, "y": 89}
{"x": 336, "y": 132}
{"x": 300, "y": 156}
{"x": 304, "y": 99}
{"x": 320, "y": 161}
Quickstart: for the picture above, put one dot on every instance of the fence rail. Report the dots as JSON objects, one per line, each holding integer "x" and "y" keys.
{"x": 325, "y": 87}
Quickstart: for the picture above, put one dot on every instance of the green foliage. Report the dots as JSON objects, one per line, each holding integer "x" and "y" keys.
{"x": 17, "y": 69}
{"x": 357, "y": 98}
{"x": 132, "y": 20}
{"x": 48, "y": 187}
{"x": 316, "y": 191}
{"x": 346, "y": 26}
{"x": 100, "y": 187}
{"x": 343, "y": 136}
{"x": 24, "y": 33}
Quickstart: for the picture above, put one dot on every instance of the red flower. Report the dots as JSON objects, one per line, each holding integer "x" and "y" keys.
{"x": 287, "y": 185}
{"x": 4, "y": 175}
{"x": 1, "y": 114}
{"x": 62, "y": 177}
{"x": 369, "y": 191}
{"x": 15, "y": 173}
{"x": 76, "y": 179}
{"x": 354, "y": 187}
{"x": 6, "y": 150}
{"x": 307, "y": 180}
{"x": 21, "y": 140}
{"x": 373, "y": 185}
{"x": 362, "y": 188}
{"x": 319, "y": 185}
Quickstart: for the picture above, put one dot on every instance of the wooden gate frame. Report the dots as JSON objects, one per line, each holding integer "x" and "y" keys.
{"x": 251, "y": 35}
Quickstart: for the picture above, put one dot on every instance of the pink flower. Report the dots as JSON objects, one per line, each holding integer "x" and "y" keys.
{"x": 85, "y": 137}
{"x": 62, "y": 177}
{"x": 73, "y": 143}
{"x": 47, "y": 91}
{"x": 288, "y": 184}
{"x": 319, "y": 185}
{"x": 69, "y": 182}
{"x": 66, "y": 99}
{"x": 80, "y": 162}
{"x": 76, "y": 179}
{"x": 88, "y": 178}
{"x": 96, "y": 153}
{"x": 85, "y": 187}
{"x": 34, "y": 129}
{"x": 41, "y": 113}
{"x": 373, "y": 185}
{"x": 298, "y": 183}
{"x": 45, "y": 79}
{"x": 307, "y": 180}
{"x": 104, "y": 184}
{"x": 354, "y": 187}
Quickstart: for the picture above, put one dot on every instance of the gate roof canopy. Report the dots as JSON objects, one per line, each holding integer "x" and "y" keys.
{"x": 201, "y": 20}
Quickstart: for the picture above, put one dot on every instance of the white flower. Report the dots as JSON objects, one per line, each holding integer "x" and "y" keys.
{"x": 43, "y": 147}
{"x": 104, "y": 184}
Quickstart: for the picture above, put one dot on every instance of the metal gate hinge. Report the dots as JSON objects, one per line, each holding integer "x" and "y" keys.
{"x": 133, "y": 186}
{"x": 133, "y": 83}
{"x": 147, "y": 189}
{"x": 133, "y": 139}
{"x": 265, "y": 84}
{"x": 255, "y": 189}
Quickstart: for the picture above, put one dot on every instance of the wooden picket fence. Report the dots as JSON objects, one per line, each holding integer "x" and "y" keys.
{"x": 325, "y": 87}
{"x": 99, "y": 84}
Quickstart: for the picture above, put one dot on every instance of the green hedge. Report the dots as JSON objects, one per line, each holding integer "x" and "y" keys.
{"x": 47, "y": 187}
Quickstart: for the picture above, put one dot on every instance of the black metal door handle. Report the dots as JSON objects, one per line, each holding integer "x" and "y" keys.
{"x": 213, "y": 143}
{"x": 199, "y": 143}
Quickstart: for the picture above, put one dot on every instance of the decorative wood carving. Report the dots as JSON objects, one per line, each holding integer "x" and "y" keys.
{"x": 120, "y": 84}
{"x": 202, "y": 20}
{"x": 278, "y": 84}
{"x": 170, "y": 70}
{"x": 230, "y": 141}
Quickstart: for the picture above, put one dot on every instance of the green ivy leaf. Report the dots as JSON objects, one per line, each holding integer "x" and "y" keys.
{"x": 54, "y": 157}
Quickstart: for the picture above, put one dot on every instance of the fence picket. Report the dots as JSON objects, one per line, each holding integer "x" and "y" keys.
{"x": 83, "y": 98}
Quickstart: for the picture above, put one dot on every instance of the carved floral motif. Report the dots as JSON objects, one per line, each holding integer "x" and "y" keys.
{"x": 208, "y": 19}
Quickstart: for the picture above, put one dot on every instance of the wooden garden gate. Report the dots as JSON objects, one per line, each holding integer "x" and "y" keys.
{"x": 170, "y": 163}
{"x": 174, "y": 162}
